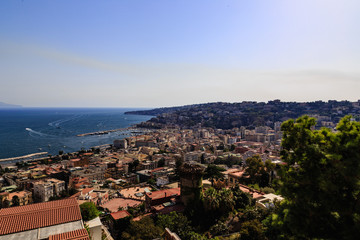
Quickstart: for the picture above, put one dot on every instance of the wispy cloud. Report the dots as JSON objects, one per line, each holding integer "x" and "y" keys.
{"x": 166, "y": 83}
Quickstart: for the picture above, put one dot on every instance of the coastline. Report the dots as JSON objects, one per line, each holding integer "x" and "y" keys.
{"x": 23, "y": 157}
{"x": 33, "y": 156}
{"x": 34, "y": 130}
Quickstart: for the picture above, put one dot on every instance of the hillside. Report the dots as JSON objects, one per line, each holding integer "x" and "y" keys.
{"x": 7, "y": 105}
{"x": 249, "y": 114}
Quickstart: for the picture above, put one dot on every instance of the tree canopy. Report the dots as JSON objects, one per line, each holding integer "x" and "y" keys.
{"x": 142, "y": 229}
{"x": 176, "y": 222}
{"x": 88, "y": 211}
{"x": 214, "y": 172}
{"x": 15, "y": 201}
{"x": 320, "y": 180}
{"x": 258, "y": 171}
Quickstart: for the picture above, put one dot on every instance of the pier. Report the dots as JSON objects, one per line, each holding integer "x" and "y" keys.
{"x": 25, "y": 157}
{"x": 132, "y": 129}
{"x": 102, "y": 132}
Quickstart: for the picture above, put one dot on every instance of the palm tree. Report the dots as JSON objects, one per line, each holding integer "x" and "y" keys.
{"x": 211, "y": 199}
{"x": 226, "y": 200}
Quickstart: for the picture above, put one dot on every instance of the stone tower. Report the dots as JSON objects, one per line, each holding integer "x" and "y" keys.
{"x": 191, "y": 182}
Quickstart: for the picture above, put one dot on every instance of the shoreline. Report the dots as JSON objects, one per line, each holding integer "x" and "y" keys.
{"x": 105, "y": 132}
{"x": 30, "y": 157}
{"x": 23, "y": 157}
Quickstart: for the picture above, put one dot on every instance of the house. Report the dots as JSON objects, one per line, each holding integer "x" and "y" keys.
{"x": 235, "y": 175}
{"x": 120, "y": 215}
{"x": 267, "y": 200}
{"x": 80, "y": 182}
{"x": 25, "y": 197}
{"x": 161, "y": 196}
{"x": 98, "y": 197}
{"x": 41, "y": 220}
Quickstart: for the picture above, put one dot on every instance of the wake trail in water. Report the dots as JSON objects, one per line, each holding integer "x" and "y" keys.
{"x": 57, "y": 123}
{"x": 37, "y": 133}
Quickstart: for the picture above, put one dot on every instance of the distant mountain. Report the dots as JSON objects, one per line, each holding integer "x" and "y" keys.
{"x": 7, "y": 105}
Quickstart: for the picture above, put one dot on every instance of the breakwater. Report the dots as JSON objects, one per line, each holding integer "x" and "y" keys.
{"x": 103, "y": 132}
{"x": 25, "y": 157}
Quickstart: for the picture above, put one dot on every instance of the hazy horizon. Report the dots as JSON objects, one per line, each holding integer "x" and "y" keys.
{"x": 146, "y": 108}
{"x": 137, "y": 54}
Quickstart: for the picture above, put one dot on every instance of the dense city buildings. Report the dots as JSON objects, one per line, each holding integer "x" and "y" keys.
{"x": 151, "y": 174}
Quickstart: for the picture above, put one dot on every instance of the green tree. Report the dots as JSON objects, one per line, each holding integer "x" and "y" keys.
{"x": 252, "y": 230}
{"x": 269, "y": 169}
{"x": 218, "y": 204}
{"x": 211, "y": 199}
{"x": 6, "y": 203}
{"x": 88, "y": 211}
{"x": 142, "y": 229}
{"x": 214, "y": 172}
{"x": 176, "y": 222}
{"x": 151, "y": 181}
{"x": 15, "y": 201}
{"x": 320, "y": 180}
{"x": 161, "y": 162}
{"x": 241, "y": 199}
{"x": 254, "y": 167}
{"x": 202, "y": 159}
{"x": 220, "y": 228}
{"x": 212, "y": 149}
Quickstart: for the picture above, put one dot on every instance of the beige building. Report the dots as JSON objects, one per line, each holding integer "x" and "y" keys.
{"x": 43, "y": 190}
{"x": 25, "y": 197}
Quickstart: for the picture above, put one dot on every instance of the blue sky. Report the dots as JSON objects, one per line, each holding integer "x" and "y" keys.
{"x": 165, "y": 53}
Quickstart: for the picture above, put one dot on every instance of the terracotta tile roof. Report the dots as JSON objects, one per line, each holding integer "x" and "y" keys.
{"x": 23, "y": 218}
{"x": 141, "y": 217}
{"x": 255, "y": 194}
{"x": 80, "y": 234}
{"x": 163, "y": 193}
{"x": 166, "y": 210}
{"x": 20, "y": 194}
{"x": 157, "y": 169}
{"x": 87, "y": 190}
{"x": 87, "y": 154}
{"x": 120, "y": 214}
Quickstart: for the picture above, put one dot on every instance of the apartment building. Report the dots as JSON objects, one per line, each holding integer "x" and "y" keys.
{"x": 45, "y": 189}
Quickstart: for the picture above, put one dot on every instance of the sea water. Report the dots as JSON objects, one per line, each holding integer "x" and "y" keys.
{"x": 31, "y": 130}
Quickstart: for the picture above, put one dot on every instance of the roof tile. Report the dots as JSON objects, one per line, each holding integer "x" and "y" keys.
{"x": 23, "y": 218}
{"x": 80, "y": 234}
